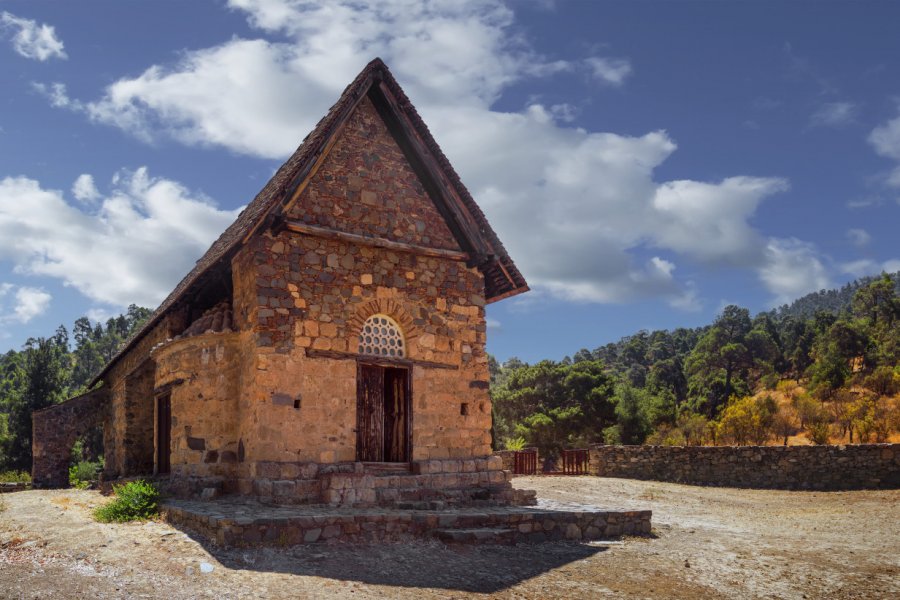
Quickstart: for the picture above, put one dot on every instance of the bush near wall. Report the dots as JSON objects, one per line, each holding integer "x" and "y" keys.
{"x": 864, "y": 466}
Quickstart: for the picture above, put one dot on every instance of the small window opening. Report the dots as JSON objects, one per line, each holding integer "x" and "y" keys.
{"x": 297, "y": 403}
{"x": 464, "y": 409}
{"x": 381, "y": 336}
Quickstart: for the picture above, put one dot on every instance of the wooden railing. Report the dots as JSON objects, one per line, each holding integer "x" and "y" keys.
{"x": 575, "y": 462}
{"x": 525, "y": 462}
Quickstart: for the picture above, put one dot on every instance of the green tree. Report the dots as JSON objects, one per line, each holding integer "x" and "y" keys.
{"x": 725, "y": 358}
{"x": 45, "y": 382}
{"x": 631, "y": 413}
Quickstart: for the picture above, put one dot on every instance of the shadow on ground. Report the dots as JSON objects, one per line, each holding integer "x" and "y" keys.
{"x": 419, "y": 564}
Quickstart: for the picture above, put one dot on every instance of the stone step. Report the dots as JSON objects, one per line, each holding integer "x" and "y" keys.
{"x": 386, "y": 469}
{"x": 480, "y": 535}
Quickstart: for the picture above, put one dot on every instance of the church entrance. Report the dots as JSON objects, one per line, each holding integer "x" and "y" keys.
{"x": 382, "y": 414}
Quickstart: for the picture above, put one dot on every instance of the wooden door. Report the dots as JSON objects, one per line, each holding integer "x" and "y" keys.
{"x": 396, "y": 410}
{"x": 369, "y": 413}
{"x": 163, "y": 433}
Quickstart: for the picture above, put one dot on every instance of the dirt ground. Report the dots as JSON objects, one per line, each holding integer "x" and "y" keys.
{"x": 708, "y": 543}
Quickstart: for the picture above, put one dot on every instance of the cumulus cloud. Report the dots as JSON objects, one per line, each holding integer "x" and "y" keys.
{"x": 834, "y": 114}
{"x": 612, "y": 71}
{"x": 866, "y": 266}
{"x": 144, "y": 235}
{"x": 28, "y": 303}
{"x": 580, "y": 211}
{"x": 859, "y": 237}
{"x": 29, "y": 39}
{"x": 792, "y": 268}
{"x": 885, "y": 139}
{"x": 84, "y": 189}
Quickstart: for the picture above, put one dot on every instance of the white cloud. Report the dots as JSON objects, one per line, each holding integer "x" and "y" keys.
{"x": 858, "y": 237}
{"x": 84, "y": 189}
{"x": 865, "y": 266}
{"x": 30, "y": 39}
{"x": 29, "y": 303}
{"x": 142, "y": 238}
{"x": 709, "y": 221}
{"x": 57, "y": 95}
{"x": 792, "y": 268}
{"x": 100, "y": 314}
{"x": 579, "y": 211}
{"x": 612, "y": 71}
{"x": 885, "y": 139}
{"x": 688, "y": 300}
{"x": 834, "y": 114}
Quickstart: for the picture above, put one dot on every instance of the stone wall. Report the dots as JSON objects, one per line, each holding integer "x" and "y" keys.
{"x": 202, "y": 374}
{"x": 127, "y": 440}
{"x": 869, "y": 466}
{"x": 365, "y": 186}
{"x": 55, "y": 430}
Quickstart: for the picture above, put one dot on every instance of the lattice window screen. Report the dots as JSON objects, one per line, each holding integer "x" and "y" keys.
{"x": 381, "y": 336}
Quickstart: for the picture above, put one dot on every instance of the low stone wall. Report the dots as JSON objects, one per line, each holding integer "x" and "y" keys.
{"x": 865, "y": 466}
{"x": 6, "y": 488}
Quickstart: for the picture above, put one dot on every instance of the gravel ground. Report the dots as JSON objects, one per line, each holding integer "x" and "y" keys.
{"x": 708, "y": 543}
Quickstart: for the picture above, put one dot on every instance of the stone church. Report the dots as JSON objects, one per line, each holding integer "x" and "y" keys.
{"x": 329, "y": 347}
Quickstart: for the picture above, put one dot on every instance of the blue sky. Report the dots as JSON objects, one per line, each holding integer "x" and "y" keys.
{"x": 645, "y": 163}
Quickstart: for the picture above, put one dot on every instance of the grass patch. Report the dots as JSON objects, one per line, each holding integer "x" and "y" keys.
{"x": 83, "y": 473}
{"x": 15, "y": 477}
{"x": 135, "y": 501}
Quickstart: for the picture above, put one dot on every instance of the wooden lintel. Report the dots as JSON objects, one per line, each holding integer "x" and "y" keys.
{"x": 167, "y": 386}
{"x": 377, "y": 360}
{"x": 377, "y": 242}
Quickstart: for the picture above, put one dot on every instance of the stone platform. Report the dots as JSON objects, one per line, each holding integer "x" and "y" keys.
{"x": 238, "y": 521}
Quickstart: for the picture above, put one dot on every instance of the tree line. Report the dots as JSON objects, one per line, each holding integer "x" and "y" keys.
{"x": 825, "y": 371}
{"x": 49, "y": 370}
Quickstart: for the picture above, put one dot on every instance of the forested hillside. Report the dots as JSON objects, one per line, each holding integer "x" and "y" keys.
{"x": 824, "y": 368}
{"x": 49, "y": 370}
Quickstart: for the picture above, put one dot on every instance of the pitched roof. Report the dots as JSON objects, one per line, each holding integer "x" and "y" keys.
{"x": 502, "y": 278}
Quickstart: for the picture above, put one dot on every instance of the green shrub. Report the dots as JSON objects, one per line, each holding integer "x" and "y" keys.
{"x": 612, "y": 435}
{"x": 518, "y": 443}
{"x": 819, "y": 432}
{"x": 135, "y": 500}
{"x": 82, "y": 473}
{"x": 15, "y": 477}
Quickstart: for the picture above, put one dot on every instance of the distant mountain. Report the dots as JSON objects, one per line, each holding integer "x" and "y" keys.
{"x": 833, "y": 301}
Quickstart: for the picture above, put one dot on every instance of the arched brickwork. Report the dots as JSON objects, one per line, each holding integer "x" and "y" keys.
{"x": 391, "y": 308}
{"x": 55, "y": 430}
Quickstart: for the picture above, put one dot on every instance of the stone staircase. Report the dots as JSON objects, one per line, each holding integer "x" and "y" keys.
{"x": 236, "y": 521}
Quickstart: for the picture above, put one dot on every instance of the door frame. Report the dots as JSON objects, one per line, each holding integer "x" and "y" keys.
{"x": 160, "y": 400}
{"x": 388, "y": 364}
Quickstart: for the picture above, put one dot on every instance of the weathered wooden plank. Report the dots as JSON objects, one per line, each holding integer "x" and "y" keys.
{"x": 376, "y": 360}
{"x": 369, "y": 413}
{"x": 369, "y": 240}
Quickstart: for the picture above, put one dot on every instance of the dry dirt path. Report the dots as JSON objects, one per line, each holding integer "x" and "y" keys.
{"x": 710, "y": 543}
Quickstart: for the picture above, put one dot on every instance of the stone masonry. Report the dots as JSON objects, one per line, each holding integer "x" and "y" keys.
{"x": 55, "y": 431}
{"x": 865, "y": 466}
